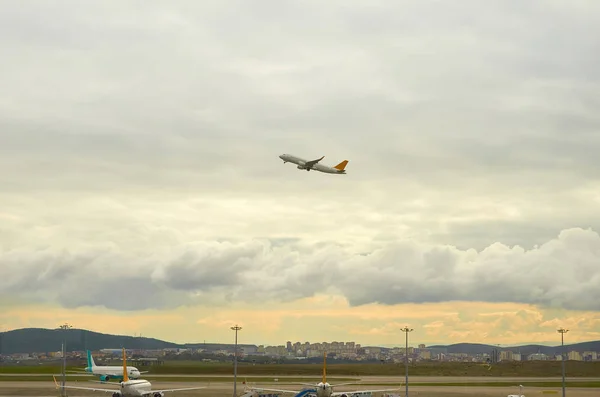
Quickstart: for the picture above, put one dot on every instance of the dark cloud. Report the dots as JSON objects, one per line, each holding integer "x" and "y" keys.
{"x": 203, "y": 268}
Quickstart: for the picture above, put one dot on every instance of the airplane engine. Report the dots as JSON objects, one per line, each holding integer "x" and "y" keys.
{"x": 104, "y": 378}
{"x": 344, "y": 395}
{"x": 116, "y": 394}
{"x": 301, "y": 167}
{"x": 159, "y": 394}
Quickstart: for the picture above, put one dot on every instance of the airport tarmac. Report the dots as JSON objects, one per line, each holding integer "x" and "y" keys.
{"x": 225, "y": 389}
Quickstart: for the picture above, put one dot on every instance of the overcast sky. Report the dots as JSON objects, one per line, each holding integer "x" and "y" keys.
{"x": 141, "y": 189}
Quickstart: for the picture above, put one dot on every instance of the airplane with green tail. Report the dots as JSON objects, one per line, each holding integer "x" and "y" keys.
{"x": 109, "y": 372}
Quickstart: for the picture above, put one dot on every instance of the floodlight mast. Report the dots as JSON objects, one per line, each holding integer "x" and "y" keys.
{"x": 64, "y": 329}
{"x": 235, "y": 328}
{"x": 562, "y": 333}
{"x": 406, "y": 330}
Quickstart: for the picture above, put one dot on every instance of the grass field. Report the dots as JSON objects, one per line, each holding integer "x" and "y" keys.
{"x": 514, "y": 369}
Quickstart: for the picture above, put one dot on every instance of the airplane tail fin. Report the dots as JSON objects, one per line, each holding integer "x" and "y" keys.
{"x": 324, "y": 367}
{"x": 341, "y": 166}
{"x": 125, "y": 377}
{"x": 90, "y": 361}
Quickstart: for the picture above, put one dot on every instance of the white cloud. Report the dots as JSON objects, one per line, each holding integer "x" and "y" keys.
{"x": 561, "y": 273}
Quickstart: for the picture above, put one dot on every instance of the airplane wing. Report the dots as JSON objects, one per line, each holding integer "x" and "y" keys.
{"x": 144, "y": 372}
{"x": 339, "y": 393}
{"x": 105, "y": 382}
{"x": 311, "y": 163}
{"x": 304, "y": 384}
{"x": 151, "y": 393}
{"x": 277, "y": 390}
{"x": 85, "y": 388}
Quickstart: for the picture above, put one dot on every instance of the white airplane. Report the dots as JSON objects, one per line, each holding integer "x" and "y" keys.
{"x": 129, "y": 388}
{"x": 107, "y": 372}
{"x": 323, "y": 388}
{"x": 314, "y": 164}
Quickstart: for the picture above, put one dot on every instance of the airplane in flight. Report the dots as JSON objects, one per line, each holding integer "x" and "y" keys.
{"x": 314, "y": 164}
{"x": 129, "y": 387}
{"x": 107, "y": 372}
{"x": 323, "y": 388}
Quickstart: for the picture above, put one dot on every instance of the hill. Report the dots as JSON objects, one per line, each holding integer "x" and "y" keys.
{"x": 31, "y": 340}
{"x": 478, "y": 348}
{"x": 42, "y": 340}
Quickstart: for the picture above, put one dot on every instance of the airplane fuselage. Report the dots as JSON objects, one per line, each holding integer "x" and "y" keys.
{"x": 302, "y": 164}
{"x": 135, "y": 388}
{"x": 324, "y": 389}
{"x": 112, "y": 372}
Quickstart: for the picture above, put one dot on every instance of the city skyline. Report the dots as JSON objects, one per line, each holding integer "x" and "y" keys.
{"x": 142, "y": 189}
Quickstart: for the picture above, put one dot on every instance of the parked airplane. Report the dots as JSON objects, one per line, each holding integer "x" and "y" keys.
{"x": 128, "y": 387}
{"x": 314, "y": 164}
{"x": 107, "y": 372}
{"x": 323, "y": 388}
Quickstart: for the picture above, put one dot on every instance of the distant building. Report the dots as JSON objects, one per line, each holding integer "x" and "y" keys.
{"x": 590, "y": 356}
{"x": 537, "y": 356}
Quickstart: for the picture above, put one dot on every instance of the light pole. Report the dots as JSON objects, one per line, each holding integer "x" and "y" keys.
{"x": 236, "y": 328}
{"x": 406, "y": 330}
{"x": 64, "y": 328}
{"x": 562, "y": 333}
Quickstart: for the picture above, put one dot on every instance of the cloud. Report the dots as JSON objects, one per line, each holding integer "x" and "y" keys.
{"x": 168, "y": 96}
{"x": 561, "y": 273}
{"x": 139, "y": 169}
